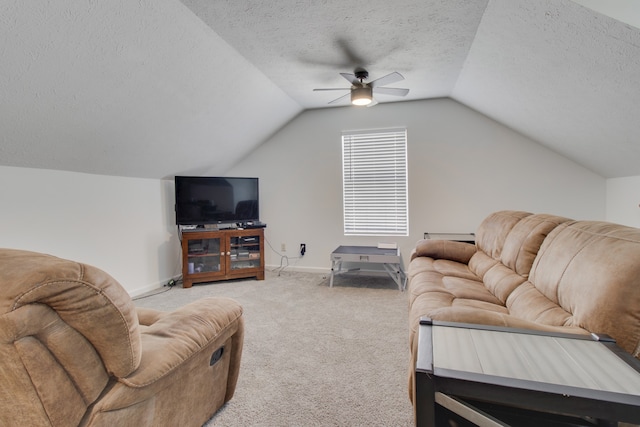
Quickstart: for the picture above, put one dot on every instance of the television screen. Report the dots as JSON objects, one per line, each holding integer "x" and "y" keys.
{"x": 216, "y": 200}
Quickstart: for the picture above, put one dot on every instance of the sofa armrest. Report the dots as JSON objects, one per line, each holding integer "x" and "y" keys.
{"x": 444, "y": 249}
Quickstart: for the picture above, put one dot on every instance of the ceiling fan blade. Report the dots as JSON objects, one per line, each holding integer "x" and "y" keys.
{"x": 332, "y": 88}
{"x": 340, "y": 98}
{"x": 387, "y": 80}
{"x": 373, "y": 102}
{"x": 391, "y": 91}
{"x": 348, "y": 57}
{"x": 350, "y": 53}
{"x": 351, "y": 78}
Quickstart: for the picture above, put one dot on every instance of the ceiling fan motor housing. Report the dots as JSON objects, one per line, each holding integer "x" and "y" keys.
{"x": 361, "y": 95}
{"x": 361, "y": 75}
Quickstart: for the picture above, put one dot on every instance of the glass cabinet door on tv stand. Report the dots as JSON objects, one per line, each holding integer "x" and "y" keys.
{"x": 210, "y": 255}
{"x": 204, "y": 256}
{"x": 245, "y": 252}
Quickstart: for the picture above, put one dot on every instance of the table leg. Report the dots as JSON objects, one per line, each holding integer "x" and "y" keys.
{"x": 334, "y": 264}
{"x": 396, "y": 273}
{"x": 424, "y": 401}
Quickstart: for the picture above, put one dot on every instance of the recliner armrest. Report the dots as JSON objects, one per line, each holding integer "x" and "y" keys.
{"x": 190, "y": 355}
{"x": 178, "y": 335}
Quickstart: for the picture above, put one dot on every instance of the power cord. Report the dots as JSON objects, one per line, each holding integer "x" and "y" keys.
{"x": 151, "y": 295}
{"x": 282, "y": 258}
{"x": 170, "y": 284}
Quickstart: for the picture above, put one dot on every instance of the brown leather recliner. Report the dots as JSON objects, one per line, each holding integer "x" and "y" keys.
{"x": 75, "y": 351}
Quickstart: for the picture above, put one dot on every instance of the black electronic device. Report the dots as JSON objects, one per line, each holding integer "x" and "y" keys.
{"x": 254, "y": 224}
{"x": 216, "y": 200}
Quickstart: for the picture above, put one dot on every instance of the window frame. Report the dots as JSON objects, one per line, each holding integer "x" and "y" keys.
{"x": 375, "y": 187}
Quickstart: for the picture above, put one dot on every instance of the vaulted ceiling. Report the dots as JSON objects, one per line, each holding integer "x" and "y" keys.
{"x": 155, "y": 88}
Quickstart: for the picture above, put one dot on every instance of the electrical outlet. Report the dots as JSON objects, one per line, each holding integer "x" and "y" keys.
{"x": 303, "y": 249}
{"x": 283, "y": 247}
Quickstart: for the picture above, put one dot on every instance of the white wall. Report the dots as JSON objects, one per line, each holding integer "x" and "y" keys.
{"x": 623, "y": 201}
{"x": 124, "y": 226}
{"x": 462, "y": 166}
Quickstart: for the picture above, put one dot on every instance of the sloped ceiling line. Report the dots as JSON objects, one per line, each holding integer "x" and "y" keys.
{"x": 164, "y": 87}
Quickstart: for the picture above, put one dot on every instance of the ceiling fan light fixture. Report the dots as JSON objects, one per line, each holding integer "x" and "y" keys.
{"x": 361, "y": 95}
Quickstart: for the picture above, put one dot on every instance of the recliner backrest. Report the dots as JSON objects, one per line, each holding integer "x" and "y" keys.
{"x": 65, "y": 329}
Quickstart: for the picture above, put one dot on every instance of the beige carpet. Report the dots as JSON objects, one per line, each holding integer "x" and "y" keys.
{"x": 314, "y": 355}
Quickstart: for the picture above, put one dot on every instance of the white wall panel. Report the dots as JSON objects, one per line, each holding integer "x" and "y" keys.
{"x": 122, "y": 225}
{"x": 623, "y": 201}
{"x": 462, "y": 166}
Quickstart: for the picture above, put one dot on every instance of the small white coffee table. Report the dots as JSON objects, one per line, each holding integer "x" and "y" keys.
{"x": 390, "y": 259}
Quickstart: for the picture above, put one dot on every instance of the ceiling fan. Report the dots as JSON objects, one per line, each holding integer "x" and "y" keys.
{"x": 361, "y": 93}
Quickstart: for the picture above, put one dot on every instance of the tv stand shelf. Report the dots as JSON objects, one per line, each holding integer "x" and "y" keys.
{"x": 211, "y": 255}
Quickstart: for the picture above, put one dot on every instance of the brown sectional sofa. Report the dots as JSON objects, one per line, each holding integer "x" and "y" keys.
{"x": 534, "y": 271}
{"x": 75, "y": 351}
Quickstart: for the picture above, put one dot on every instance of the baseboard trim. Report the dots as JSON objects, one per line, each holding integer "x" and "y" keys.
{"x": 317, "y": 270}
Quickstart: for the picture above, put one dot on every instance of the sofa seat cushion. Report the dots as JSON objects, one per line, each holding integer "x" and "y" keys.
{"x": 452, "y": 291}
{"x": 441, "y": 285}
{"x": 444, "y": 267}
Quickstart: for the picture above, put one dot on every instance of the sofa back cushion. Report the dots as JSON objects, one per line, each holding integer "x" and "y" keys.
{"x": 591, "y": 270}
{"x": 494, "y": 230}
{"x": 523, "y": 242}
{"x": 508, "y": 242}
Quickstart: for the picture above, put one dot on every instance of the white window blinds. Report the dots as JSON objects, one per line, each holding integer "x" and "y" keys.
{"x": 374, "y": 170}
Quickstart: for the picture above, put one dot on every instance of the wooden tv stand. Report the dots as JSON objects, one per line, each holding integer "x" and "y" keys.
{"x": 211, "y": 255}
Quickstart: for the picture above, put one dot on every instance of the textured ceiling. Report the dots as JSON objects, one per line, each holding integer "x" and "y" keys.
{"x": 563, "y": 75}
{"x": 155, "y": 88}
{"x": 302, "y": 45}
{"x": 127, "y": 88}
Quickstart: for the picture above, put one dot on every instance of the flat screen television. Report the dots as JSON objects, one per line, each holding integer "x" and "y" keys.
{"x": 216, "y": 200}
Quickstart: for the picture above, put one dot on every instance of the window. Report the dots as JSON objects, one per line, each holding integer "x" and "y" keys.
{"x": 374, "y": 181}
